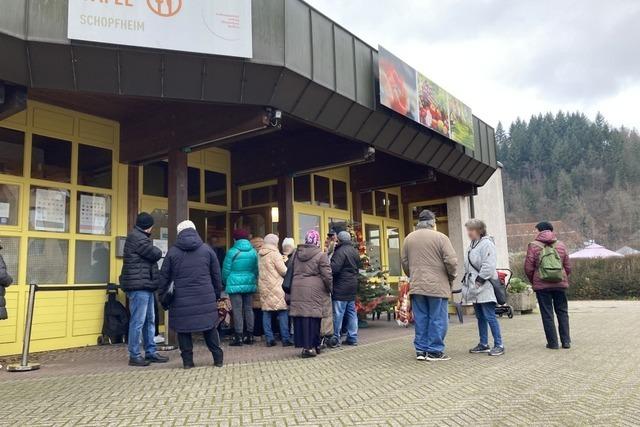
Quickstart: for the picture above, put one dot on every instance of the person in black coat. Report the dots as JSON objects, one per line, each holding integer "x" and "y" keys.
{"x": 194, "y": 269}
{"x": 139, "y": 279}
{"x": 5, "y": 281}
{"x": 345, "y": 264}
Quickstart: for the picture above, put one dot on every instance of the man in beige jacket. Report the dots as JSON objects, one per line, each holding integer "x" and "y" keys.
{"x": 430, "y": 262}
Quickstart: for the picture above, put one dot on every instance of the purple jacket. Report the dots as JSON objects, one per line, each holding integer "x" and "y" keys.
{"x": 533, "y": 259}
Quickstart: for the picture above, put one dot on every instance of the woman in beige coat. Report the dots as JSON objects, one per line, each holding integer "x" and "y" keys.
{"x": 272, "y": 269}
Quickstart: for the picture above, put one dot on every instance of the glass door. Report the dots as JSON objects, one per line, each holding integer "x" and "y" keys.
{"x": 383, "y": 243}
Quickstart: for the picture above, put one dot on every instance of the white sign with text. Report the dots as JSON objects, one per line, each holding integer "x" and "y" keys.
{"x": 217, "y": 27}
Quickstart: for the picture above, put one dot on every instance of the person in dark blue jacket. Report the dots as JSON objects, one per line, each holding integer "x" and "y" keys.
{"x": 194, "y": 269}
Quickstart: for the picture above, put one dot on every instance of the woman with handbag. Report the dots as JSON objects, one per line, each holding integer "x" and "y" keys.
{"x": 477, "y": 286}
{"x": 191, "y": 286}
{"x": 311, "y": 284}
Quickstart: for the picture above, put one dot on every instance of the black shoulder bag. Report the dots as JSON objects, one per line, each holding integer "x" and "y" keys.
{"x": 288, "y": 277}
{"x": 498, "y": 288}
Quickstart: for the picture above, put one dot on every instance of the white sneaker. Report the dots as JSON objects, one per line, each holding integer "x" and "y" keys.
{"x": 159, "y": 339}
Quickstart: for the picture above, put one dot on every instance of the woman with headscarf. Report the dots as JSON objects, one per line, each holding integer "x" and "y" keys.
{"x": 310, "y": 289}
{"x": 288, "y": 248}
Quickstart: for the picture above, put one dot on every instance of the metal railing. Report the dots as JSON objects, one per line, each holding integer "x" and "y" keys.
{"x": 25, "y": 365}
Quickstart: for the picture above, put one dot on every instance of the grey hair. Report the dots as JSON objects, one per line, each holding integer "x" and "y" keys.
{"x": 427, "y": 224}
{"x": 477, "y": 224}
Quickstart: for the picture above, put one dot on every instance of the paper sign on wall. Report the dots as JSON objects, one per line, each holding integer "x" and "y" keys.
{"x": 218, "y": 27}
{"x": 93, "y": 214}
{"x": 51, "y": 210}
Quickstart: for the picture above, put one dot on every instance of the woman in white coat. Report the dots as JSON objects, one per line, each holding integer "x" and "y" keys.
{"x": 480, "y": 269}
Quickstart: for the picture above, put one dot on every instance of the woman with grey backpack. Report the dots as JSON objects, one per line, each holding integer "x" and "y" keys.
{"x": 477, "y": 289}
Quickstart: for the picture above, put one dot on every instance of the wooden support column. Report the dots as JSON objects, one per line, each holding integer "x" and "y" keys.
{"x": 178, "y": 201}
{"x": 133, "y": 196}
{"x": 285, "y": 207}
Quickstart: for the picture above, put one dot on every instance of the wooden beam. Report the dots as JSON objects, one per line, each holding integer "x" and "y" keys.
{"x": 387, "y": 171}
{"x": 444, "y": 186}
{"x": 172, "y": 128}
{"x": 178, "y": 196}
{"x": 290, "y": 152}
{"x": 133, "y": 195}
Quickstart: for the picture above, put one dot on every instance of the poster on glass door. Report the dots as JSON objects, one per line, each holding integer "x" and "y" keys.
{"x": 93, "y": 214}
{"x": 51, "y": 210}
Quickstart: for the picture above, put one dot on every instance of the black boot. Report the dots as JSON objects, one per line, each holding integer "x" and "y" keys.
{"x": 237, "y": 340}
{"x": 217, "y": 360}
{"x": 248, "y": 339}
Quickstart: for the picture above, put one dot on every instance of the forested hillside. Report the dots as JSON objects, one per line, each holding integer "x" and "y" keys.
{"x": 570, "y": 168}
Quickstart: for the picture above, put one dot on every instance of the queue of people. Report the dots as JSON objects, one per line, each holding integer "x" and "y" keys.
{"x": 314, "y": 289}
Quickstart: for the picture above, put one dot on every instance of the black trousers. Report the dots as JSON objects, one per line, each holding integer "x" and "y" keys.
{"x": 551, "y": 301}
{"x": 211, "y": 338}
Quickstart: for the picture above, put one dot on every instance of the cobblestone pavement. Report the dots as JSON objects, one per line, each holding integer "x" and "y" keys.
{"x": 597, "y": 382}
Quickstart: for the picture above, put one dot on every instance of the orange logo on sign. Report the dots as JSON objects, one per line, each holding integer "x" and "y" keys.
{"x": 165, "y": 8}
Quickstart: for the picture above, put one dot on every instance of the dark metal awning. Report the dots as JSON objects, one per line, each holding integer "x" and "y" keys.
{"x": 303, "y": 64}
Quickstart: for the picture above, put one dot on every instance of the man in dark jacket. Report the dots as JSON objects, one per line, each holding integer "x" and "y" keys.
{"x": 345, "y": 263}
{"x": 5, "y": 281}
{"x": 551, "y": 295}
{"x": 194, "y": 269}
{"x": 139, "y": 279}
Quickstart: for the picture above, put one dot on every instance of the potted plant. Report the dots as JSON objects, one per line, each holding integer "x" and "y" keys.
{"x": 520, "y": 295}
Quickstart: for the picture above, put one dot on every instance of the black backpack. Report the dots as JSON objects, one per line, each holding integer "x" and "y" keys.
{"x": 116, "y": 319}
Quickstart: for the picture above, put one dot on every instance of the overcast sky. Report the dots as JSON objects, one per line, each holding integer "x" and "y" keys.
{"x": 512, "y": 58}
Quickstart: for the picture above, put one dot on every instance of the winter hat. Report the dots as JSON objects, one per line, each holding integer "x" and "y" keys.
{"x": 312, "y": 238}
{"x": 288, "y": 241}
{"x": 544, "y": 226}
{"x": 184, "y": 225}
{"x": 344, "y": 236}
{"x": 240, "y": 234}
{"x": 271, "y": 239}
{"x": 144, "y": 221}
{"x": 426, "y": 215}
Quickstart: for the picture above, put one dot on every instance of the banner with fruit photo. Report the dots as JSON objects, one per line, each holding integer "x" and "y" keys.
{"x": 397, "y": 85}
{"x": 434, "y": 105}
{"x": 408, "y": 92}
{"x": 461, "y": 121}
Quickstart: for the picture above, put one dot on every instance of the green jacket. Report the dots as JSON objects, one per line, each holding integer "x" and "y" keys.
{"x": 240, "y": 269}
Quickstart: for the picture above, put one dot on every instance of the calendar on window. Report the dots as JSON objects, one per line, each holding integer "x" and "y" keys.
{"x": 51, "y": 210}
{"x": 93, "y": 214}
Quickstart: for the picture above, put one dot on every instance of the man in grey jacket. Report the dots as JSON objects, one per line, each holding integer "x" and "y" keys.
{"x": 430, "y": 262}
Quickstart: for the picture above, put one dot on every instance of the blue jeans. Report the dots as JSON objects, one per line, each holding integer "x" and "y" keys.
{"x": 283, "y": 322}
{"x": 486, "y": 314}
{"x": 431, "y": 316}
{"x": 142, "y": 322}
{"x": 345, "y": 310}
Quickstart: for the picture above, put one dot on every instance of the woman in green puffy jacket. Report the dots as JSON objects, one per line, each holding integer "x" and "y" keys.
{"x": 240, "y": 277}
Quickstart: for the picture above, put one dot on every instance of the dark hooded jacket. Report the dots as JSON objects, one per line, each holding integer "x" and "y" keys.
{"x": 195, "y": 271}
{"x": 532, "y": 262}
{"x": 5, "y": 281}
{"x": 345, "y": 262}
{"x": 311, "y": 283}
{"x": 140, "y": 263}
